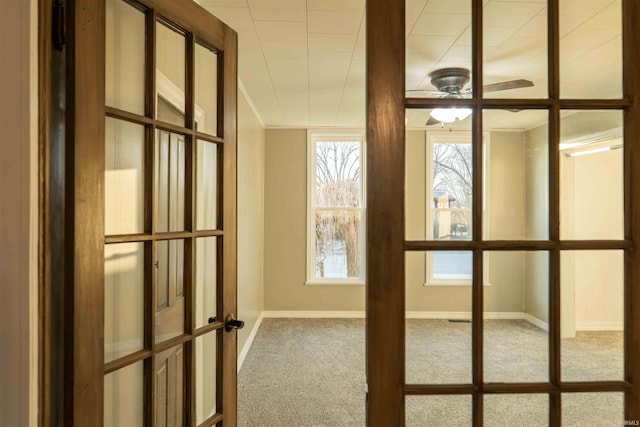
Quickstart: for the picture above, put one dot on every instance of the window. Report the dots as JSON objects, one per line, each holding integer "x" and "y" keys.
{"x": 449, "y": 200}
{"x": 335, "y": 208}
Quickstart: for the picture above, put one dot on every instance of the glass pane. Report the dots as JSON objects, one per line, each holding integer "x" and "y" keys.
{"x": 600, "y": 409}
{"x": 591, "y": 175}
{"x": 207, "y": 186}
{"x": 515, "y": 49}
{"x": 516, "y": 313}
{"x": 338, "y": 174}
{"x": 450, "y": 224}
{"x": 206, "y": 90}
{"x": 438, "y": 38}
{"x": 170, "y": 385}
{"x": 123, "y": 299}
{"x": 438, "y": 327}
{"x": 438, "y": 411}
{"x": 125, "y": 54}
{"x": 338, "y": 239}
{"x": 452, "y": 266}
{"x": 170, "y": 300}
{"x": 169, "y": 181}
{"x": 592, "y": 284}
{"x": 450, "y": 186}
{"x": 531, "y": 410}
{"x": 590, "y": 49}
{"x": 124, "y": 177}
{"x": 516, "y": 175}
{"x": 170, "y": 75}
{"x": 123, "y": 397}
{"x": 206, "y": 279}
{"x": 206, "y": 381}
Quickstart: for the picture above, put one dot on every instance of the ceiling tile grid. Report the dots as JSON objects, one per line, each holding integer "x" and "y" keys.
{"x": 302, "y": 62}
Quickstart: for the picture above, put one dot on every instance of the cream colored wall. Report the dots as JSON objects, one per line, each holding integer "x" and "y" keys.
{"x": 18, "y": 214}
{"x": 285, "y": 222}
{"x": 537, "y": 222}
{"x": 598, "y": 275}
{"x": 584, "y": 275}
{"x": 251, "y": 168}
{"x": 285, "y": 232}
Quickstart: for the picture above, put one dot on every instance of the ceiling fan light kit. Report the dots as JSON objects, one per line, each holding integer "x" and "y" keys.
{"x": 449, "y": 115}
{"x": 450, "y": 83}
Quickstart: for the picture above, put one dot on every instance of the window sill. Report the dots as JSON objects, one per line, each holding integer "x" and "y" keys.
{"x": 334, "y": 282}
{"x": 449, "y": 283}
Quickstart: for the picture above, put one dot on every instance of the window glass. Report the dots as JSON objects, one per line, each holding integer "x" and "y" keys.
{"x": 335, "y": 224}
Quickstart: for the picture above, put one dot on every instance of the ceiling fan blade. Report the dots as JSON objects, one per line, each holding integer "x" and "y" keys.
{"x": 511, "y": 84}
{"x": 513, "y": 110}
{"x": 432, "y": 121}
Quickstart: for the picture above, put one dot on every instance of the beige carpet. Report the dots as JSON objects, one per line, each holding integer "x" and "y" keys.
{"x": 310, "y": 372}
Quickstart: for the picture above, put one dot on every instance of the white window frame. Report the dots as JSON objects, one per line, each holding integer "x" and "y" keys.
{"x": 313, "y": 137}
{"x": 453, "y": 137}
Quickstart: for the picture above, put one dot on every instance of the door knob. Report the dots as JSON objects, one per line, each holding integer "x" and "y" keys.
{"x": 231, "y": 323}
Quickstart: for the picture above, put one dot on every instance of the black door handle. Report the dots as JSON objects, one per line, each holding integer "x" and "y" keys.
{"x": 231, "y": 323}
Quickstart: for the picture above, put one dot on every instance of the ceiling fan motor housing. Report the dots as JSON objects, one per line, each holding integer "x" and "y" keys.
{"x": 450, "y": 80}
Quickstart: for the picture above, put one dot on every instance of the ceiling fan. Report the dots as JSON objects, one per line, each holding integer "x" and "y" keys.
{"x": 450, "y": 83}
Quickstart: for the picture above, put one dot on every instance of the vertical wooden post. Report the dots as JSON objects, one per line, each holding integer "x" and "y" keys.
{"x": 84, "y": 262}
{"x": 385, "y": 328}
{"x": 631, "y": 74}
{"x": 230, "y": 100}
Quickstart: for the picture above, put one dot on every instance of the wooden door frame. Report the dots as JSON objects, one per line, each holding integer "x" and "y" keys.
{"x": 71, "y": 299}
{"x": 386, "y": 245}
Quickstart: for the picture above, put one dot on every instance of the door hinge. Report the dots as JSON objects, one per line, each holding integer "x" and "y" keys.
{"x": 58, "y": 25}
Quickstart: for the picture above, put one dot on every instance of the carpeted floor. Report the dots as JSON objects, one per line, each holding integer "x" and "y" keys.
{"x": 310, "y": 372}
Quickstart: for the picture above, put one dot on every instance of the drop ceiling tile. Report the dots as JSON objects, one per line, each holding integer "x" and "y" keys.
{"x": 413, "y": 10}
{"x": 281, "y": 31}
{"x": 253, "y": 72}
{"x": 289, "y": 74}
{"x": 570, "y": 23}
{"x": 328, "y": 70}
{"x": 496, "y": 36}
{"x": 323, "y": 106}
{"x": 608, "y": 18}
{"x": 237, "y": 18}
{"x": 295, "y": 108}
{"x": 360, "y": 49}
{"x": 278, "y": 10}
{"x": 536, "y": 27}
{"x": 460, "y": 55}
{"x": 448, "y": 6}
{"x": 336, "y": 5}
{"x": 222, "y": 3}
{"x": 427, "y": 49}
{"x": 507, "y": 14}
{"x": 580, "y": 41}
{"x": 334, "y": 22}
{"x": 331, "y": 42}
{"x": 518, "y": 47}
{"x": 249, "y": 45}
{"x": 291, "y": 50}
{"x": 441, "y": 24}
{"x": 582, "y": 7}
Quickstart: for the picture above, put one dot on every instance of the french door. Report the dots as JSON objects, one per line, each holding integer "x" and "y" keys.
{"x": 387, "y": 243}
{"x": 150, "y": 180}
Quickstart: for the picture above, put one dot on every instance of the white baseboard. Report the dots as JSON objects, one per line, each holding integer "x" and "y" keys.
{"x": 599, "y": 326}
{"x": 313, "y": 314}
{"x": 247, "y": 345}
{"x": 537, "y": 322}
{"x": 453, "y": 315}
